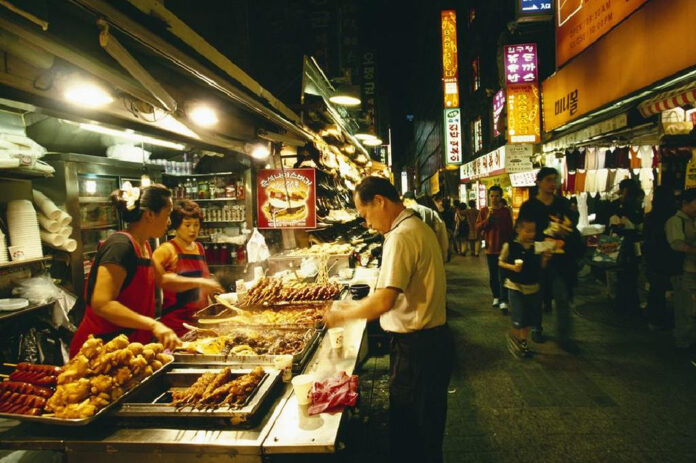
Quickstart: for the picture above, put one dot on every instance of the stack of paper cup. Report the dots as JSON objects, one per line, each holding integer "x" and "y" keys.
{"x": 4, "y": 258}
{"x": 70, "y": 245}
{"x": 65, "y": 231}
{"x": 53, "y": 239}
{"x": 49, "y": 225}
{"x": 65, "y": 219}
{"x": 46, "y": 206}
{"x": 24, "y": 228}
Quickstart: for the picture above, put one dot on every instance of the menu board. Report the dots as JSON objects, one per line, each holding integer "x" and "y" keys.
{"x": 286, "y": 198}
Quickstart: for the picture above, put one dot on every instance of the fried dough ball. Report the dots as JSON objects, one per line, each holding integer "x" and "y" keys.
{"x": 119, "y": 342}
{"x": 136, "y": 348}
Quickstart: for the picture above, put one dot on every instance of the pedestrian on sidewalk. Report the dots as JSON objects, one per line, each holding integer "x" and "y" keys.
{"x": 681, "y": 236}
{"x": 474, "y": 238}
{"x": 555, "y": 222}
{"x": 661, "y": 261}
{"x": 431, "y": 219}
{"x": 494, "y": 222}
{"x": 523, "y": 282}
{"x": 409, "y": 301}
{"x": 461, "y": 229}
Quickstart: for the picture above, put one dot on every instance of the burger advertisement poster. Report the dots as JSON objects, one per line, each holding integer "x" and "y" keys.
{"x": 286, "y": 198}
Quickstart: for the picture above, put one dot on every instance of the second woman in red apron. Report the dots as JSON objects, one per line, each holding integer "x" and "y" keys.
{"x": 182, "y": 260}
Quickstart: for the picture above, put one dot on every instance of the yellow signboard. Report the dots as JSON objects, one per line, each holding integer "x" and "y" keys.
{"x": 579, "y": 23}
{"x": 451, "y": 92}
{"x": 449, "y": 43}
{"x": 524, "y": 124}
{"x": 654, "y": 43}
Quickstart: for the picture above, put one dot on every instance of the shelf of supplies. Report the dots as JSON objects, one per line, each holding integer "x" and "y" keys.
{"x": 19, "y": 263}
{"x": 212, "y": 174}
{"x": 31, "y": 308}
{"x": 99, "y": 227}
{"x": 24, "y": 173}
{"x": 223, "y": 221}
{"x": 213, "y": 199}
{"x": 94, "y": 199}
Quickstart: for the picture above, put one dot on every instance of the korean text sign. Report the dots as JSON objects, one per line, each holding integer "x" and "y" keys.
{"x": 286, "y": 198}
{"x": 453, "y": 135}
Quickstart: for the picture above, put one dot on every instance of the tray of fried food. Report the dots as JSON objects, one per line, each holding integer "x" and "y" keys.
{"x": 234, "y": 396}
{"x": 100, "y": 376}
{"x": 306, "y": 314}
{"x": 240, "y": 345}
{"x": 276, "y": 291}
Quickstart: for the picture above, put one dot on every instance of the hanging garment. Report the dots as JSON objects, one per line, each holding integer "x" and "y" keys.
{"x": 622, "y": 157}
{"x": 591, "y": 181}
{"x": 601, "y": 180}
{"x": 611, "y": 177}
{"x": 590, "y": 158}
{"x": 601, "y": 158}
{"x": 610, "y": 159}
{"x": 583, "y": 210}
{"x": 580, "y": 181}
{"x": 635, "y": 157}
{"x": 569, "y": 186}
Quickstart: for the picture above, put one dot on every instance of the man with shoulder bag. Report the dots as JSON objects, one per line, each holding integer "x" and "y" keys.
{"x": 681, "y": 236}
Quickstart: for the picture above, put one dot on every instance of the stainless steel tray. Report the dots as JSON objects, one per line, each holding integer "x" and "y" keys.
{"x": 216, "y": 314}
{"x": 299, "y": 360}
{"x": 151, "y": 402}
{"x": 85, "y": 421}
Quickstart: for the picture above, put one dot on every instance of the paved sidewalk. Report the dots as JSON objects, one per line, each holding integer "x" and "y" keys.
{"x": 627, "y": 397}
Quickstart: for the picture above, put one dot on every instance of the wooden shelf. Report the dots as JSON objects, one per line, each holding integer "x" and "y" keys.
{"x": 212, "y": 174}
{"x": 24, "y": 173}
{"x": 31, "y": 308}
{"x": 213, "y": 199}
{"x": 100, "y": 227}
{"x": 20, "y": 263}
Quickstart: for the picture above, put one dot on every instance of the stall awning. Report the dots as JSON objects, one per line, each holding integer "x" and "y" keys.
{"x": 674, "y": 98}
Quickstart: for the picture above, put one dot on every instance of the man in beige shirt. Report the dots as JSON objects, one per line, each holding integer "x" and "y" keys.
{"x": 409, "y": 300}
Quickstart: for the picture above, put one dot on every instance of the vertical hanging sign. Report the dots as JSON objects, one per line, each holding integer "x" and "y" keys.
{"x": 522, "y": 80}
{"x": 452, "y": 115}
{"x": 450, "y": 72}
{"x": 453, "y": 136}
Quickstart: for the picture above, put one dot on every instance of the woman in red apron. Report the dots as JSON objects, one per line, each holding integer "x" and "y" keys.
{"x": 182, "y": 260}
{"x": 120, "y": 292}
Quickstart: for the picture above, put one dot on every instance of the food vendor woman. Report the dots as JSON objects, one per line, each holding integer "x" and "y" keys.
{"x": 182, "y": 260}
{"x": 120, "y": 293}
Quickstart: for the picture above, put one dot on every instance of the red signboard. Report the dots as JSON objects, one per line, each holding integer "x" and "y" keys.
{"x": 286, "y": 198}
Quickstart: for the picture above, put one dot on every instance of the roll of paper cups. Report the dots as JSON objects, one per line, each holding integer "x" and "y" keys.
{"x": 49, "y": 225}
{"x": 54, "y": 239}
{"x": 65, "y": 219}
{"x": 46, "y": 206}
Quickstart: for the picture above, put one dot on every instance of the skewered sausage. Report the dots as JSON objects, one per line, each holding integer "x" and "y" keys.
{"x": 40, "y": 379}
{"x": 49, "y": 370}
{"x": 25, "y": 388}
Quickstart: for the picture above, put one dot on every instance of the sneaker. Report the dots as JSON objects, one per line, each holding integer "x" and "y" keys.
{"x": 496, "y": 302}
{"x": 503, "y": 308}
{"x": 524, "y": 348}
{"x": 513, "y": 346}
{"x": 538, "y": 337}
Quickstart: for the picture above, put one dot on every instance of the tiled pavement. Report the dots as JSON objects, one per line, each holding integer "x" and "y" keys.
{"x": 627, "y": 397}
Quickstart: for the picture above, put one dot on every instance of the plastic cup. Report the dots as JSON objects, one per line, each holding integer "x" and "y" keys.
{"x": 336, "y": 337}
{"x": 519, "y": 262}
{"x": 302, "y": 385}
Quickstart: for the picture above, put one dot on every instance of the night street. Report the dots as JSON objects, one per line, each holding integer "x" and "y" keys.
{"x": 627, "y": 397}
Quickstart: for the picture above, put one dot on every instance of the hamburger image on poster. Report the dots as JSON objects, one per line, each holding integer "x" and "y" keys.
{"x": 286, "y": 200}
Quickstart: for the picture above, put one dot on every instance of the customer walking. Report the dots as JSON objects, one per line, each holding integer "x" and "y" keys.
{"x": 474, "y": 238}
{"x": 431, "y": 219}
{"x": 461, "y": 229}
{"x": 523, "y": 283}
{"x": 556, "y": 222}
{"x": 409, "y": 301}
{"x": 661, "y": 261}
{"x": 681, "y": 236}
{"x": 494, "y": 222}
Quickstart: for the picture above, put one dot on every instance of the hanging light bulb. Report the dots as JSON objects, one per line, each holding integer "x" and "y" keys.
{"x": 87, "y": 94}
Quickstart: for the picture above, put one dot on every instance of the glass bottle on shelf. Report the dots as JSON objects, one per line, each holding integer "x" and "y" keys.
{"x": 240, "y": 189}
{"x": 202, "y": 188}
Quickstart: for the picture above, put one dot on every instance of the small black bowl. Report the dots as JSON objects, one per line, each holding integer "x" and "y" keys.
{"x": 359, "y": 291}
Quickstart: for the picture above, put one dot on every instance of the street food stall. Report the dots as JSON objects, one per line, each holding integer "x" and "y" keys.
{"x": 226, "y": 392}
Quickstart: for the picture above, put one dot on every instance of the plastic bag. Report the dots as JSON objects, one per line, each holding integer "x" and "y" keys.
{"x": 257, "y": 250}
{"x": 42, "y": 290}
